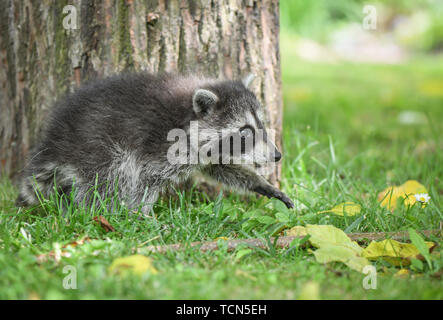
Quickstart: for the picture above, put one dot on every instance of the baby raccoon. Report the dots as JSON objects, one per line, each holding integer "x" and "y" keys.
{"x": 118, "y": 136}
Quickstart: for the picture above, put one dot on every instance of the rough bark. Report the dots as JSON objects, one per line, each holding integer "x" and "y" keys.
{"x": 40, "y": 60}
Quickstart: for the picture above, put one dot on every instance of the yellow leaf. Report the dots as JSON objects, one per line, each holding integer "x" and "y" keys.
{"x": 350, "y": 208}
{"x": 221, "y": 238}
{"x": 388, "y": 197}
{"x": 135, "y": 264}
{"x": 392, "y": 251}
{"x": 402, "y": 273}
{"x": 297, "y": 231}
{"x": 310, "y": 291}
{"x": 335, "y": 245}
{"x": 326, "y": 235}
{"x": 342, "y": 254}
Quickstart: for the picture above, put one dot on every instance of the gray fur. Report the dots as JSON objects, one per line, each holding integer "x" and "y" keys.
{"x": 203, "y": 100}
{"x": 111, "y": 133}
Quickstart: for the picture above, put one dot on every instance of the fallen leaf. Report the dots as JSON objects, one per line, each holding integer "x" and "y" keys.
{"x": 326, "y": 235}
{"x": 57, "y": 254}
{"x": 342, "y": 254}
{"x": 348, "y": 208}
{"x": 297, "y": 231}
{"x": 334, "y": 245}
{"x": 104, "y": 223}
{"x": 388, "y": 197}
{"x": 396, "y": 253}
{"x": 402, "y": 273}
{"x": 33, "y": 296}
{"x": 136, "y": 264}
{"x": 310, "y": 291}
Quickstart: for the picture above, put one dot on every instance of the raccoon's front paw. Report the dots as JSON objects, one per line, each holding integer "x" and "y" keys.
{"x": 272, "y": 192}
{"x": 285, "y": 199}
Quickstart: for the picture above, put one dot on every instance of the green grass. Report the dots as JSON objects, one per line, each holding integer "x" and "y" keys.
{"x": 343, "y": 142}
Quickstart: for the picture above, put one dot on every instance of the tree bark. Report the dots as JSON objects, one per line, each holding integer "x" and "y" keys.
{"x": 41, "y": 60}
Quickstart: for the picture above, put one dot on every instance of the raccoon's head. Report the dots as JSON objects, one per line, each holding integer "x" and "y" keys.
{"x": 231, "y": 125}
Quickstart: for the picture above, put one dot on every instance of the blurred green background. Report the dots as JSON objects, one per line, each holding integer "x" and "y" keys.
{"x": 376, "y": 94}
{"x": 416, "y": 24}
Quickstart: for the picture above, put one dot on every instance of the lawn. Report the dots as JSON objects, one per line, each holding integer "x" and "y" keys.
{"x": 350, "y": 130}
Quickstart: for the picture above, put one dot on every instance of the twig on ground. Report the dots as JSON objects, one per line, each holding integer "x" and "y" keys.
{"x": 282, "y": 242}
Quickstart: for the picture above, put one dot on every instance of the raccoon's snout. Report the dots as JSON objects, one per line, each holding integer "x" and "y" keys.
{"x": 277, "y": 155}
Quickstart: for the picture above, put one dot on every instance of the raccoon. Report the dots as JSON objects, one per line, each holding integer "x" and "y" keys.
{"x": 111, "y": 136}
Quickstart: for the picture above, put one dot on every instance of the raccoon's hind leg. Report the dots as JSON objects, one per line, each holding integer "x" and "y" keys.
{"x": 241, "y": 177}
{"x": 141, "y": 199}
{"x": 128, "y": 173}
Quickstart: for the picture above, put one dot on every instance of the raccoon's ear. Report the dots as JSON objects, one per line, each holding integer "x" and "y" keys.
{"x": 248, "y": 79}
{"x": 203, "y": 100}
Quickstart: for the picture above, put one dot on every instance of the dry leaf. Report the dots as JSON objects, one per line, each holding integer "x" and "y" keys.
{"x": 396, "y": 253}
{"x": 342, "y": 254}
{"x": 334, "y": 245}
{"x": 104, "y": 223}
{"x": 325, "y": 235}
{"x": 402, "y": 273}
{"x": 348, "y": 208}
{"x": 59, "y": 253}
{"x": 135, "y": 264}
{"x": 310, "y": 291}
{"x": 33, "y": 296}
{"x": 297, "y": 231}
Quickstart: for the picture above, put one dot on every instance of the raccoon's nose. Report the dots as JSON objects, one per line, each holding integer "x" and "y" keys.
{"x": 277, "y": 156}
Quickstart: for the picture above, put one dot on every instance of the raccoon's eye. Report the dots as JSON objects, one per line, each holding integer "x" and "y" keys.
{"x": 246, "y": 131}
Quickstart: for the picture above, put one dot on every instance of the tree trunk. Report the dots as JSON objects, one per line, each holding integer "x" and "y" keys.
{"x": 41, "y": 59}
